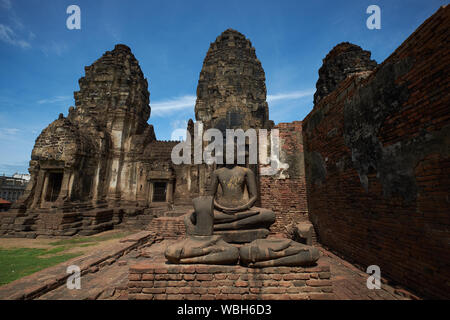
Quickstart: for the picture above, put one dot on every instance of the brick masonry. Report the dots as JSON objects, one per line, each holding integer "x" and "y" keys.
{"x": 285, "y": 193}
{"x": 159, "y": 281}
{"x": 168, "y": 227}
{"x": 377, "y": 162}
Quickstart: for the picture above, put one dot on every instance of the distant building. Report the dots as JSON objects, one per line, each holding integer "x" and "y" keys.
{"x": 23, "y": 176}
{"x": 11, "y": 188}
{"x": 4, "y": 205}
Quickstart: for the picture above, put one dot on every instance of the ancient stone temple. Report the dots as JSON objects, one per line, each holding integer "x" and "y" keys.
{"x": 86, "y": 163}
{"x": 102, "y": 166}
{"x": 365, "y": 174}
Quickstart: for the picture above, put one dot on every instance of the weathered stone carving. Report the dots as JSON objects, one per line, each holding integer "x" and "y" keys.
{"x": 301, "y": 232}
{"x": 343, "y": 60}
{"x": 231, "y": 91}
{"x": 236, "y": 218}
{"x": 277, "y": 252}
{"x": 201, "y": 246}
{"x": 237, "y": 221}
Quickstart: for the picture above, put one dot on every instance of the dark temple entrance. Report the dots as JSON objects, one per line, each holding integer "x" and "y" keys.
{"x": 159, "y": 191}
{"x": 53, "y": 186}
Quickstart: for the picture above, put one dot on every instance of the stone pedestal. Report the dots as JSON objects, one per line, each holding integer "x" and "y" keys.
{"x": 243, "y": 236}
{"x": 160, "y": 281}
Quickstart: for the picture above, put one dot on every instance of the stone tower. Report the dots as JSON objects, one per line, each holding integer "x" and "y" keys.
{"x": 114, "y": 97}
{"x": 342, "y": 61}
{"x": 93, "y": 160}
{"x": 113, "y": 85}
{"x": 231, "y": 91}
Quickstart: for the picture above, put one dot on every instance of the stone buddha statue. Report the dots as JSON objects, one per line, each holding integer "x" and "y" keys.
{"x": 230, "y": 215}
{"x": 200, "y": 245}
{"x": 236, "y": 218}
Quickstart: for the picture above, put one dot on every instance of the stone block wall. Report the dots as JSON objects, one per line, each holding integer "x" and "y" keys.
{"x": 377, "y": 161}
{"x": 159, "y": 281}
{"x": 285, "y": 192}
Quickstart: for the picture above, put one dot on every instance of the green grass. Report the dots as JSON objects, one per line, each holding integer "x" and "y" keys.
{"x": 20, "y": 262}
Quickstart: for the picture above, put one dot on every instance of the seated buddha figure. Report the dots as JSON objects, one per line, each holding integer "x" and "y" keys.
{"x": 201, "y": 245}
{"x": 236, "y": 218}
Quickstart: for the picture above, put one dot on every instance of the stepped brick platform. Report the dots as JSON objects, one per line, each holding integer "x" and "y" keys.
{"x": 160, "y": 281}
{"x": 168, "y": 227}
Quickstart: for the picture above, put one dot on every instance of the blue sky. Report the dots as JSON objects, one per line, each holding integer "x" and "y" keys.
{"x": 41, "y": 60}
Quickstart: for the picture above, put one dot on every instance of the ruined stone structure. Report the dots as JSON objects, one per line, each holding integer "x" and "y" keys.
{"x": 101, "y": 165}
{"x": 373, "y": 178}
{"x": 285, "y": 192}
{"x": 377, "y": 156}
{"x": 344, "y": 60}
{"x": 231, "y": 91}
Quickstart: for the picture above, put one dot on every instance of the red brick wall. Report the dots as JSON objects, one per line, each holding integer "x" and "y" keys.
{"x": 387, "y": 203}
{"x": 287, "y": 196}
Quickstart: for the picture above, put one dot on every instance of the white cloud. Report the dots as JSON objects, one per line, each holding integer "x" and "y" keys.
{"x": 6, "y": 4}
{"x": 165, "y": 107}
{"x": 175, "y": 104}
{"x": 17, "y": 22}
{"x": 179, "y": 123}
{"x": 7, "y": 133}
{"x": 274, "y": 98}
{"x": 10, "y": 168}
{"x": 54, "y": 47}
{"x": 9, "y": 36}
{"x": 55, "y": 99}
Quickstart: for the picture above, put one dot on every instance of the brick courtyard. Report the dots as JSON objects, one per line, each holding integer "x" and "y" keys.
{"x": 105, "y": 275}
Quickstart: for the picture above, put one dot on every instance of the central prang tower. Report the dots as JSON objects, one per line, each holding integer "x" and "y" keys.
{"x": 231, "y": 91}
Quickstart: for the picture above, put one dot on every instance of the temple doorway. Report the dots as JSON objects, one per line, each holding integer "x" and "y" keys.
{"x": 159, "y": 191}
{"x": 53, "y": 186}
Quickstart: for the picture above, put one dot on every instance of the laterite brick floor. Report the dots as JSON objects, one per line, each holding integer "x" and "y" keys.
{"x": 110, "y": 282}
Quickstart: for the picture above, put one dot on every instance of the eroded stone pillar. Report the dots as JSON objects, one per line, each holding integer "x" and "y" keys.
{"x": 169, "y": 191}
{"x": 41, "y": 184}
{"x": 64, "y": 191}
